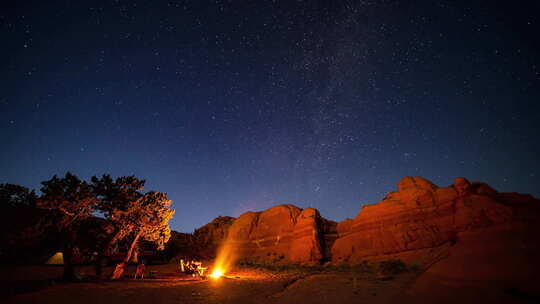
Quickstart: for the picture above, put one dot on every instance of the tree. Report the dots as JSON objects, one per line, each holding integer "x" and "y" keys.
{"x": 18, "y": 214}
{"x": 126, "y": 213}
{"x": 74, "y": 201}
{"x": 15, "y": 196}
{"x": 132, "y": 214}
{"x": 146, "y": 218}
{"x": 113, "y": 195}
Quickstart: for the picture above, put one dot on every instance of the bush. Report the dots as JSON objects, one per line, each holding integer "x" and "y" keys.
{"x": 392, "y": 267}
{"x": 364, "y": 267}
{"x": 277, "y": 266}
{"x": 415, "y": 268}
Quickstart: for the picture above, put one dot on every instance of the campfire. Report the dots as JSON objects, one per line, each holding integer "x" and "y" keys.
{"x": 217, "y": 273}
{"x": 196, "y": 269}
{"x": 224, "y": 260}
{"x": 223, "y": 263}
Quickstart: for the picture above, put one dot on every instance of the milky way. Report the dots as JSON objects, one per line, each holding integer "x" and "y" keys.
{"x": 237, "y": 106}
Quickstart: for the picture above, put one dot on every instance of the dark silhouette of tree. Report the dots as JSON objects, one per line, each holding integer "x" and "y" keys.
{"x": 114, "y": 194}
{"x": 74, "y": 201}
{"x": 94, "y": 215}
{"x": 15, "y": 196}
{"x": 18, "y": 214}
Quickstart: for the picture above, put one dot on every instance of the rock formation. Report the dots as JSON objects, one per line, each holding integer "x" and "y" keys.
{"x": 422, "y": 215}
{"x": 212, "y": 235}
{"x": 419, "y": 216}
{"x": 202, "y": 243}
{"x": 281, "y": 233}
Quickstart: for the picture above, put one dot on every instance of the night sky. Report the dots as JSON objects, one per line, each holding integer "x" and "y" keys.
{"x": 231, "y": 106}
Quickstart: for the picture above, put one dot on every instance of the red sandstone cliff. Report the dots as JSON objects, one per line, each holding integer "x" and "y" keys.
{"x": 281, "y": 233}
{"x": 419, "y": 216}
{"x": 422, "y": 215}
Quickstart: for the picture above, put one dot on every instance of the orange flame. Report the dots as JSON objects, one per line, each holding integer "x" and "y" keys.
{"x": 217, "y": 273}
{"x": 224, "y": 260}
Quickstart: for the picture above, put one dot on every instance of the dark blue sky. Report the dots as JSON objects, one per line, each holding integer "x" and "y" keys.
{"x": 230, "y": 106}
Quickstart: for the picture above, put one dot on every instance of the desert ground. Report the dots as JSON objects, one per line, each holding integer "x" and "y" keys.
{"x": 38, "y": 284}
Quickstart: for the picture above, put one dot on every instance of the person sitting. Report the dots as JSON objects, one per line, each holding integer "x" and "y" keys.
{"x": 140, "y": 271}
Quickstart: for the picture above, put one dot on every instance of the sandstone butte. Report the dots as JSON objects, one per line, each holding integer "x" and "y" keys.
{"x": 421, "y": 223}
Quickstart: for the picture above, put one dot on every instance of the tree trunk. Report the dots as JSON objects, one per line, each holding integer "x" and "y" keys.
{"x": 104, "y": 254}
{"x": 98, "y": 265}
{"x": 69, "y": 269}
{"x": 132, "y": 247}
{"x": 67, "y": 255}
{"x": 120, "y": 267}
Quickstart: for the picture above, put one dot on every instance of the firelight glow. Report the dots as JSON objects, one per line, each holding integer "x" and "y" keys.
{"x": 225, "y": 259}
{"x": 217, "y": 273}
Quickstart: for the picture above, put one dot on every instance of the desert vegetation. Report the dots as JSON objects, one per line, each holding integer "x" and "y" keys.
{"x": 74, "y": 216}
{"x": 284, "y": 254}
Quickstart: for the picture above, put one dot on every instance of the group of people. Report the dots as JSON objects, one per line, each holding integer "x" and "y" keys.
{"x": 79, "y": 256}
{"x": 194, "y": 268}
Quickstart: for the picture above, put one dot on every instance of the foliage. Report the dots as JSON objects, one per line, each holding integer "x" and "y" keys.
{"x": 283, "y": 266}
{"x": 74, "y": 202}
{"x": 415, "y": 268}
{"x": 20, "y": 233}
{"x": 391, "y": 267}
{"x": 278, "y": 267}
{"x": 70, "y": 196}
{"x": 297, "y": 268}
{"x": 115, "y": 196}
{"x": 15, "y": 196}
{"x": 154, "y": 213}
{"x": 93, "y": 215}
{"x": 148, "y": 217}
{"x": 17, "y": 207}
{"x": 131, "y": 212}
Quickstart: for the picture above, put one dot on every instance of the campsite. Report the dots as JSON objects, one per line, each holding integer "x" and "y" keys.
{"x": 286, "y": 254}
{"x": 261, "y": 152}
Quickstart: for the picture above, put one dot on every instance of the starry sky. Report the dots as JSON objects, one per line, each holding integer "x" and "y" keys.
{"x": 231, "y": 106}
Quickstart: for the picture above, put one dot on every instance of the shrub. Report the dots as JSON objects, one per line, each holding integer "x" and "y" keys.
{"x": 364, "y": 267}
{"x": 415, "y": 268}
{"x": 392, "y": 267}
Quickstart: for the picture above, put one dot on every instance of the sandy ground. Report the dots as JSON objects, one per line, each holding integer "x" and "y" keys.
{"x": 37, "y": 284}
{"x": 34, "y": 285}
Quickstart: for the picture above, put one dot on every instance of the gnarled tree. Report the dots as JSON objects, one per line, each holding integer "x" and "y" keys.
{"x": 126, "y": 212}
{"x": 146, "y": 218}
{"x": 73, "y": 201}
{"x": 115, "y": 195}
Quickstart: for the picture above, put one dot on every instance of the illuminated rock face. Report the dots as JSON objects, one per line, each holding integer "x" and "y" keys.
{"x": 211, "y": 236}
{"x": 281, "y": 233}
{"x": 215, "y": 231}
{"x": 422, "y": 215}
{"x": 419, "y": 215}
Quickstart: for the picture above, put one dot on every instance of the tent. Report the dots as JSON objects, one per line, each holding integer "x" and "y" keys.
{"x": 56, "y": 259}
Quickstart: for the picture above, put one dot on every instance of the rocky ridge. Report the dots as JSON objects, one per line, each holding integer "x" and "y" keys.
{"x": 418, "y": 216}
